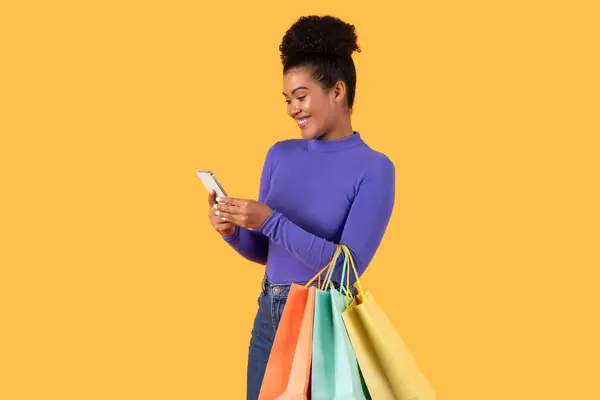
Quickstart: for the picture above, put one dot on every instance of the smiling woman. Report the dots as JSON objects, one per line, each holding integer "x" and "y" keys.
{"x": 325, "y": 189}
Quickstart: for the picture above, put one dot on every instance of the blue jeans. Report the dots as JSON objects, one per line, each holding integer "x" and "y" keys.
{"x": 271, "y": 303}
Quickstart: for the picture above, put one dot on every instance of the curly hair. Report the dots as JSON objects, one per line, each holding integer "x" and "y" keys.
{"x": 326, "y": 44}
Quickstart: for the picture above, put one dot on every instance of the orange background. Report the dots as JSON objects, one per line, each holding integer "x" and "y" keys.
{"x": 113, "y": 284}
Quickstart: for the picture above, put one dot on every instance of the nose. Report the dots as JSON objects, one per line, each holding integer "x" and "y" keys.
{"x": 294, "y": 110}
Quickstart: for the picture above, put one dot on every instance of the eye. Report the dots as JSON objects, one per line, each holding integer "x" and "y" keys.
{"x": 299, "y": 98}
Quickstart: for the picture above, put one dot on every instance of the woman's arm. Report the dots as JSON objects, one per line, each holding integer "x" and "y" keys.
{"x": 251, "y": 244}
{"x": 363, "y": 231}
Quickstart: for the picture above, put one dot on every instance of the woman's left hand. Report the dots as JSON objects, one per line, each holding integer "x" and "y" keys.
{"x": 248, "y": 214}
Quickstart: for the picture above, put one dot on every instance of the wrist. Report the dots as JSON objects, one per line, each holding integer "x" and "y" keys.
{"x": 266, "y": 227}
{"x": 230, "y": 234}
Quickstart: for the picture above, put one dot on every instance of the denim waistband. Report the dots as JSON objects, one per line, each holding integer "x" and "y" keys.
{"x": 283, "y": 289}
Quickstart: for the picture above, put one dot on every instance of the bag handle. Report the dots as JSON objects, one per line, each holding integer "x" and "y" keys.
{"x": 327, "y": 282}
{"x": 344, "y": 289}
{"x": 349, "y": 296}
{"x": 329, "y": 268}
{"x": 353, "y": 266}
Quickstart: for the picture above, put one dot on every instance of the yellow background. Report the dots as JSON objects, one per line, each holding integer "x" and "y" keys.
{"x": 114, "y": 285}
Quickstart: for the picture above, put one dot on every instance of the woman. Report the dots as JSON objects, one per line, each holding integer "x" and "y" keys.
{"x": 325, "y": 189}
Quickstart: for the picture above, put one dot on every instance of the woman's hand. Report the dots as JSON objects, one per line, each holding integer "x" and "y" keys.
{"x": 249, "y": 214}
{"x": 224, "y": 228}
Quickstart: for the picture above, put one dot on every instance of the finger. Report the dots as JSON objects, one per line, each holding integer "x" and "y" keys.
{"x": 223, "y": 223}
{"x": 219, "y": 208}
{"x": 220, "y": 222}
{"x": 234, "y": 218}
{"x": 214, "y": 217}
{"x": 223, "y": 226}
{"x": 218, "y": 218}
{"x": 211, "y": 197}
{"x": 229, "y": 201}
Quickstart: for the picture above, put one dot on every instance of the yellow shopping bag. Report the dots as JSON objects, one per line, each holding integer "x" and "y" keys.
{"x": 388, "y": 368}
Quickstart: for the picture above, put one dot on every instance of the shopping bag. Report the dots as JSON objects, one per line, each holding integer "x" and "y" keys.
{"x": 388, "y": 368}
{"x": 298, "y": 384}
{"x": 288, "y": 369}
{"x": 335, "y": 371}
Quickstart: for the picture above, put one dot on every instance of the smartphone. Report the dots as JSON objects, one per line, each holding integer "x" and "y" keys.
{"x": 210, "y": 182}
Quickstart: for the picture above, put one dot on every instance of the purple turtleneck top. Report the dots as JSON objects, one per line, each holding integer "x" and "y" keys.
{"x": 322, "y": 193}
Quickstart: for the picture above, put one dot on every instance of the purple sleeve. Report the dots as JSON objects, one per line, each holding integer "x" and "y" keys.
{"x": 363, "y": 231}
{"x": 252, "y": 244}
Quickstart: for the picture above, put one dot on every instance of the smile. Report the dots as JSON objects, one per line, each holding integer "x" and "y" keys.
{"x": 303, "y": 122}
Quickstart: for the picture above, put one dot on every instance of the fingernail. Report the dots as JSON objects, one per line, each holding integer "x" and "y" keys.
{"x": 218, "y": 212}
{"x": 218, "y": 199}
{"x": 215, "y": 206}
{"x": 224, "y": 219}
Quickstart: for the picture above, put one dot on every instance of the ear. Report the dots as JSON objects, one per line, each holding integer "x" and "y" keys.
{"x": 339, "y": 92}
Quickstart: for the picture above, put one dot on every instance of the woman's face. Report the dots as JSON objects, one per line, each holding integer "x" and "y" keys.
{"x": 313, "y": 108}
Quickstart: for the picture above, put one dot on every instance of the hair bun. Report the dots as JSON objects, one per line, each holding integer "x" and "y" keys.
{"x": 314, "y": 36}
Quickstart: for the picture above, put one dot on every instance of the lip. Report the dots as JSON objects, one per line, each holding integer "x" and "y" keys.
{"x": 302, "y": 126}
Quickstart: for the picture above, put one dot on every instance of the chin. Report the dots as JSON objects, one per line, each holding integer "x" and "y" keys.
{"x": 309, "y": 134}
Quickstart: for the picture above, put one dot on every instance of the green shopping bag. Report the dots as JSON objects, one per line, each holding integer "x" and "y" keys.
{"x": 335, "y": 372}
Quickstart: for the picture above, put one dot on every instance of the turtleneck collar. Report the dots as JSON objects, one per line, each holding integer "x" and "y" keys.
{"x": 325, "y": 146}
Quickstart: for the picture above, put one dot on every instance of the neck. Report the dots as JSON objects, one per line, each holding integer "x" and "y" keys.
{"x": 341, "y": 131}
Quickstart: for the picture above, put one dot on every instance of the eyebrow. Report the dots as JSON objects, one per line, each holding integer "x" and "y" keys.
{"x": 298, "y": 88}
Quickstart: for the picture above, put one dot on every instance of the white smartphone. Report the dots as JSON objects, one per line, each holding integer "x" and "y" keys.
{"x": 211, "y": 183}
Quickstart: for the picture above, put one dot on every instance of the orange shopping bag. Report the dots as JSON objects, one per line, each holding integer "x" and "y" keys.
{"x": 288, "y": 370}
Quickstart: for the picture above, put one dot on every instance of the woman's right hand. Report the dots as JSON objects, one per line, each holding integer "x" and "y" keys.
{"x": 224, "y": 228}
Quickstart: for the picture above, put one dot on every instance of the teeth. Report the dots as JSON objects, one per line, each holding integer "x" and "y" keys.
{"x": 303, "y": 121}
